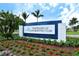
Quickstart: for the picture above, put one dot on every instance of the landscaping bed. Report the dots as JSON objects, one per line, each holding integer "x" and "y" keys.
{"x": 25, "y": 48}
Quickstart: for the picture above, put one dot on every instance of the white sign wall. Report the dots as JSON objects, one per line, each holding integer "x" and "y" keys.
{"x": 55, "y": 30}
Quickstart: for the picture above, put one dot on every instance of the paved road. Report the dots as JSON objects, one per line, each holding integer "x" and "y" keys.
{"x": 75, "y": 36}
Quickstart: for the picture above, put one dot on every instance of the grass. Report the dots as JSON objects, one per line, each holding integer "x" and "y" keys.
{"x": 72, "y": 33}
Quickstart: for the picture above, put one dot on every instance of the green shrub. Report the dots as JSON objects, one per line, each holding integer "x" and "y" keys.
{"x": 73, "y": 42}
{"x": 30, "y": 40}
{"x": 76, "y": 53}
{"x": 44, "y": 41}
{"x": 61, "y": 43}
{"x": 55, "y": 43}
{"x": 68, "y": 43}
{"x": 48, "y": 42}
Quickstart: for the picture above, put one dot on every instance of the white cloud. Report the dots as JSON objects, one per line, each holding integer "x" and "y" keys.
{"x": 47, "y": 7}
{"x": 67, "y": 15}
{"x": 66, "y": 1}
{"x": 40, "y": 1}
{"x": 65, "y": 11}
{"x": 30, "y": 6}
{"x": 61, "y": 7}
{"x": 53, "y": 4}
{"x": 24, "y": 6}
{"x": 43, "y": 6}
{"x": 75, "y": 14}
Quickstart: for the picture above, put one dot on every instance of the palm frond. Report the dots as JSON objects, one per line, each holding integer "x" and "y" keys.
{"x": 34, "y": 14}
{"x": 40, "y": 15}
{"x": 24, "y": 15}
{"x": 37, "y": 14}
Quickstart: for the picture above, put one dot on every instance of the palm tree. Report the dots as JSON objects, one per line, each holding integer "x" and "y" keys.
{"x": 37, "y": 14}
{"x": 25, "y": 16}
{"x": 73, "y": 22}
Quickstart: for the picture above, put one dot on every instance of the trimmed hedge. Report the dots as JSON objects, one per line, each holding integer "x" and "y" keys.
{"x": 70, "y": 42}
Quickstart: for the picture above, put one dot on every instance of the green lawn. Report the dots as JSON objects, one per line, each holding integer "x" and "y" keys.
{"x": 73, "y": 33}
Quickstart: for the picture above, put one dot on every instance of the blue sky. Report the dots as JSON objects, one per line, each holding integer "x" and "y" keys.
{"x": 51, "y": 11}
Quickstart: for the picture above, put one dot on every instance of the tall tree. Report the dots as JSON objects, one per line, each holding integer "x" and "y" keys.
{"x": 25, "y": 16}
{"x": 8, "y": 24}
{"x": 37, "y": 14}
{"x": 73, "y": 22}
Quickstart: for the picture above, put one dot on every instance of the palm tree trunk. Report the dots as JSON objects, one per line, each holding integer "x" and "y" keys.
{"x": 25, "y": 20}
{"x": 37, "y": 19}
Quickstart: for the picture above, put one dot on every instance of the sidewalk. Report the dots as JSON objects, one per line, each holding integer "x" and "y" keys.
{"x": 75, "y": 36}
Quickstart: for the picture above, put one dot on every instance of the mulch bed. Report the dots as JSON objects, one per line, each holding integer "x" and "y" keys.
{"x": 21, "y": 47}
